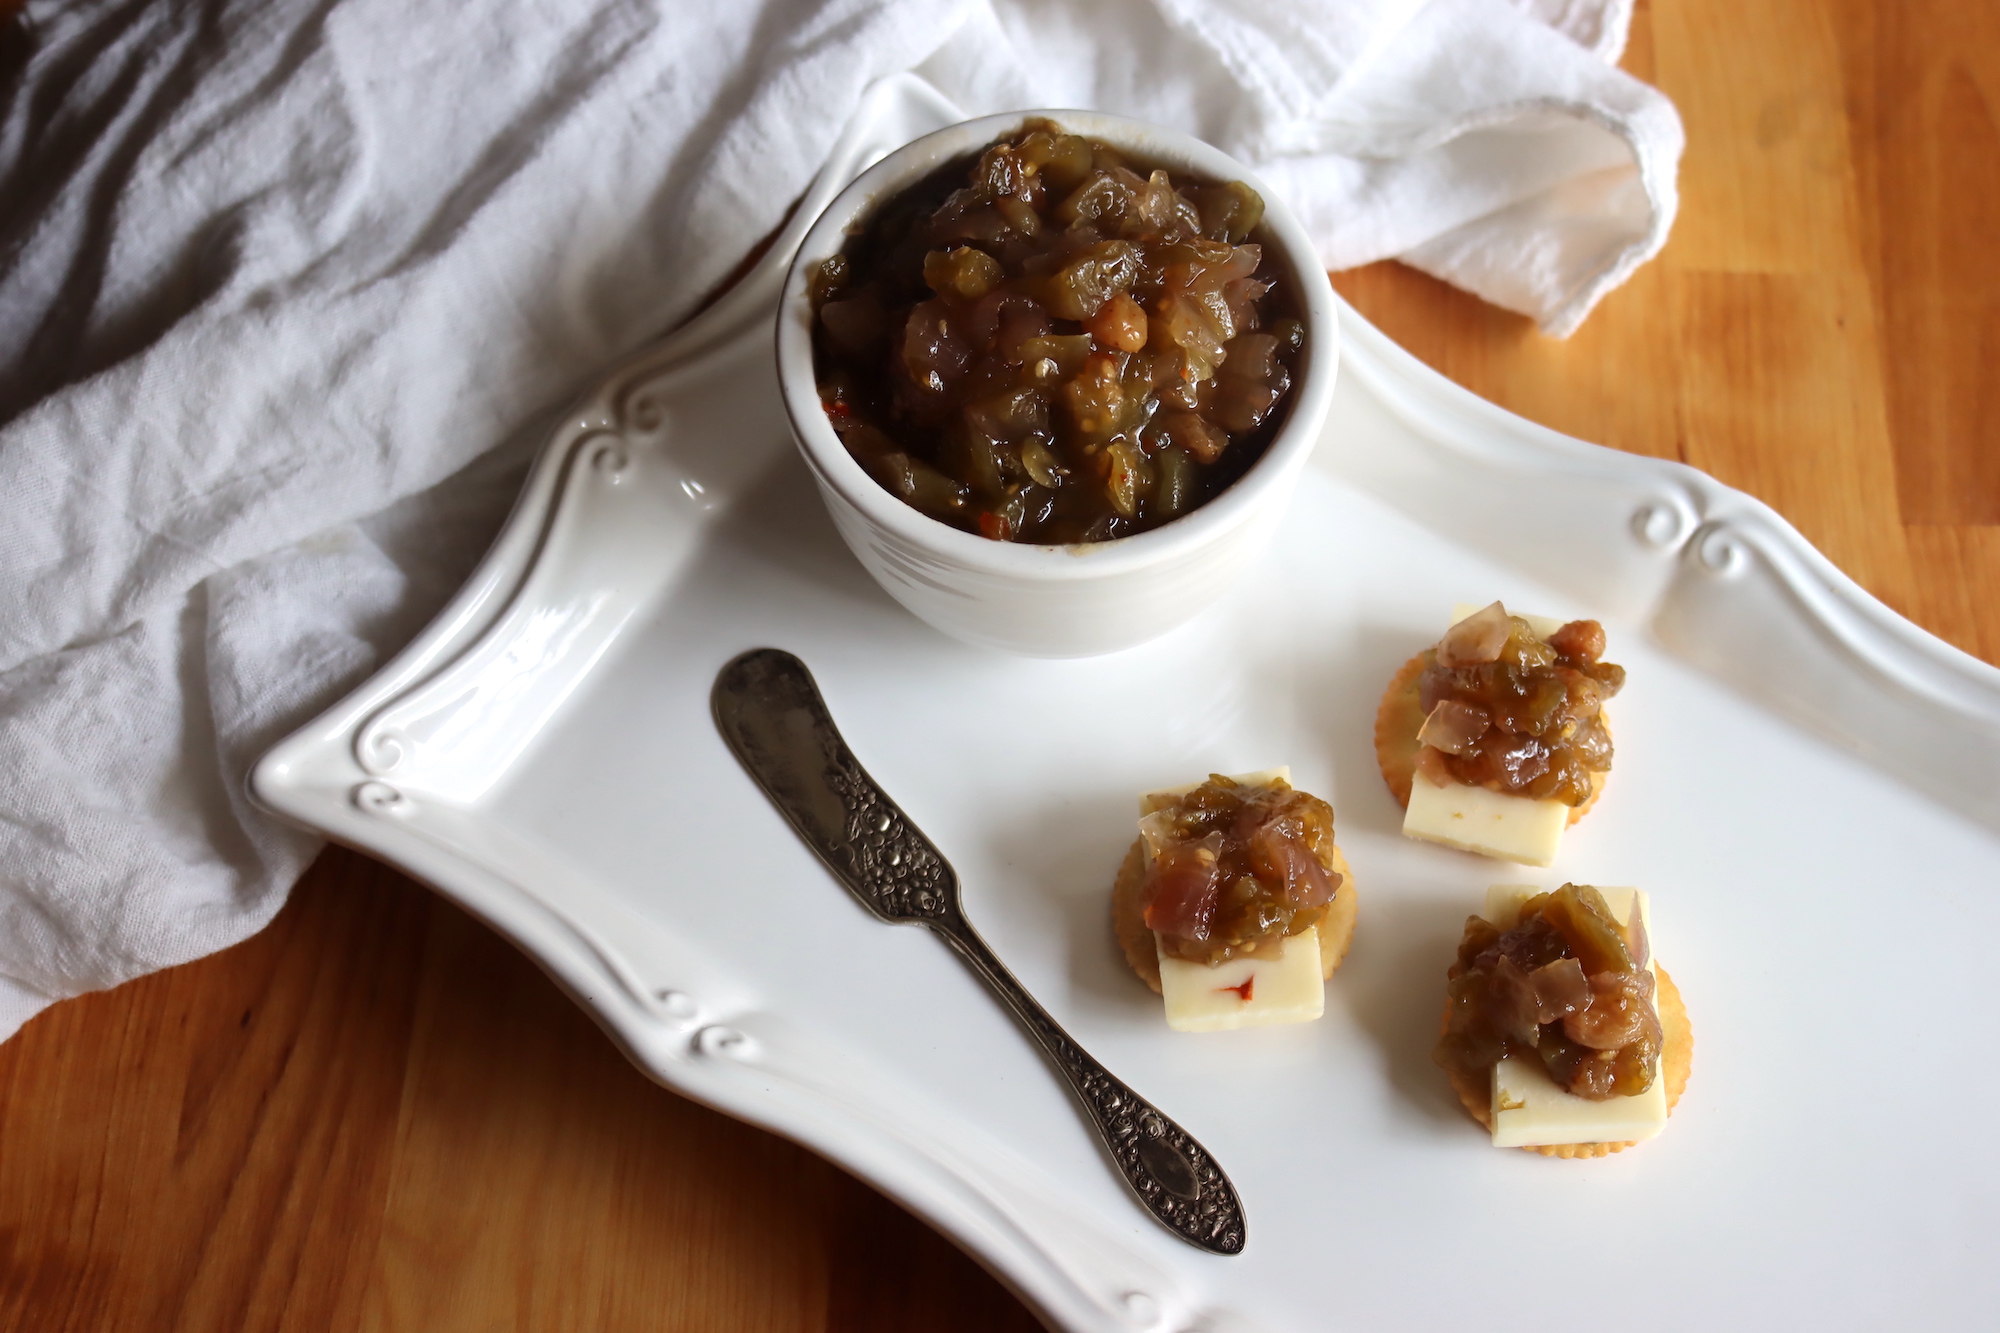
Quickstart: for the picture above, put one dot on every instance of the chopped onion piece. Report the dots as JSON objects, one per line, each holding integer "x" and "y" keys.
{"x": 1181, "y": 888}
{"x": 1561, "y": 989}
{"x": 1455, "y": 727}
{"x": 1432, "y": 768}
{"x": 1511, "y": 1003}
{"x": 1477, "y": 638}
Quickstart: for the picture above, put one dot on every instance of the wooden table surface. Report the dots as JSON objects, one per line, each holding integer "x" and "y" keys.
{"x": 376, "y": 1114}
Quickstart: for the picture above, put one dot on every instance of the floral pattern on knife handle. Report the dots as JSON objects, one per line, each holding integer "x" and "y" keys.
{"x": 771, "y": 714}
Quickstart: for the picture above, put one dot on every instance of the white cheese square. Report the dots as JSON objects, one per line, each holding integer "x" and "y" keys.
{"x": 1490, "y": 823}
{"x": 1543, "y": 626}
{"x": 1245, "y": 992}
{"x": 1503, "y": 904}
{"x": 1529, "y": 1110}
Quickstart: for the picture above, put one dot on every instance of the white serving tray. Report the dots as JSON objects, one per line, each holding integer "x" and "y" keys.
{"x": 1808, "y": 785}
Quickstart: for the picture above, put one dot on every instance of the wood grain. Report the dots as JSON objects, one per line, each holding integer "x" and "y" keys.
{"x": 376, "y": 1115}
{"x": 1823, "y": 328}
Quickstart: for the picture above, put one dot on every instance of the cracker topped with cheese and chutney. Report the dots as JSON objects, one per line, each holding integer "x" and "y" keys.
{"x": 1495, "y": 740}
{"x": 1562, "y": 1034}
{"x": 1234, "y": 902}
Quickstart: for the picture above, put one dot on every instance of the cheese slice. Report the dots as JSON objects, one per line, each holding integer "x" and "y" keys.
{"x": 1490, "y": 823}
{"x": 1245, "y": 992}
{"x": 1543, "y": 626}
{"x": 1528, "y": 1108}
{"x": 1287, "y": 987}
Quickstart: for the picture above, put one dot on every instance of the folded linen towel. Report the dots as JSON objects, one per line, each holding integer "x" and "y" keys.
{"x": 286, "y": 287}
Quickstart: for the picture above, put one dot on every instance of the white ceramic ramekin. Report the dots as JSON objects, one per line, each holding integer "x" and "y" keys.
{"x": 1056, "y": 601}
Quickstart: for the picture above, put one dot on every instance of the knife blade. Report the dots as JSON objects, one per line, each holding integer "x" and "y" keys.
{"x": 772, "y": 716}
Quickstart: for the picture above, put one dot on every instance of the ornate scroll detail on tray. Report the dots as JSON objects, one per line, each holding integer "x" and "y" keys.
{"x": 1139, "y": 1309}
{"x": 379, "y": 798}
{"x": 1759, "y": 608}
{"x": 1720, "y": 550}
{"x": 772, "y": 716}
{"x": 678, "y": 1006}
{"x": 1663, "y": 524}
{"x": 609, "y": 456}
{"x": 380, "y": 748}
{"x": 645, "y": 408}
{"x": 720, "y": 1041}
{"x": 454, "y": 733}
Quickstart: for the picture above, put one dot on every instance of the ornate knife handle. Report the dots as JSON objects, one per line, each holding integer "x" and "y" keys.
{"x": 771, "y": 714}
{"x": 1170, "y": 1171}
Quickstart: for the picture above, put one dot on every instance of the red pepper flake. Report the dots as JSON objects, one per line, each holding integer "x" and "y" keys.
{"x": 1244, "y": 991}
{"x": 995, "y": 527}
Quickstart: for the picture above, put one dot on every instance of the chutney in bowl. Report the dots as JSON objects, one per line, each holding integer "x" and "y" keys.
{"x": 1055, "y": 342}
{"x": 1044, "y": 574}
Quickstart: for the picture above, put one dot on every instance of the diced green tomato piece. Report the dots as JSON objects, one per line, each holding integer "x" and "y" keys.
{"x": 1579, "y": 912}
{"x": 1178, "y": 483}
{"x": 963, "y": 274}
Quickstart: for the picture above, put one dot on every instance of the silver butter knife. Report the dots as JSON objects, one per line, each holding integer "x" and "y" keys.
{"x": 772, "y": 716}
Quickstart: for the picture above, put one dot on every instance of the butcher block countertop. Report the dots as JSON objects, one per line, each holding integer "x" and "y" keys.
{"x": 378, "y": 1115}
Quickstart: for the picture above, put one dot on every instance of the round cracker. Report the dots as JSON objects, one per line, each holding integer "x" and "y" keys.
{"x": 1135, "y": 941}
{"x": 1128, "y": 917}
{"x": 1397, "y": 722}
{"x": 1401, "y": 716}
{"x": 1336, "y": 928}
{"x": 1676, "y": 1062}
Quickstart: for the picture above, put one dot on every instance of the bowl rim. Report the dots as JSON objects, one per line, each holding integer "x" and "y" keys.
{"x": 1241, "y": 502}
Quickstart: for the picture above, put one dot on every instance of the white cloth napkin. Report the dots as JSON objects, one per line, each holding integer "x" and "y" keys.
{"x": 289, "y": 287}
